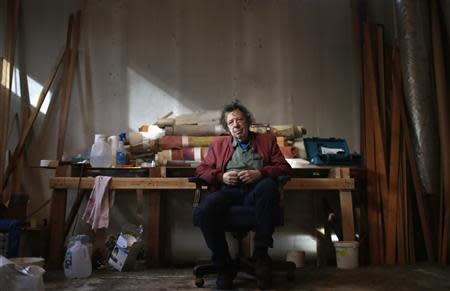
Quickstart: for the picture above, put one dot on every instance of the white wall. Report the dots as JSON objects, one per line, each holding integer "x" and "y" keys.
{"x": 289, "y": 61}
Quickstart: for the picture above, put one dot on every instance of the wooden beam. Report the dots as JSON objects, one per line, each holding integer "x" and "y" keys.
{"x": 381, "y": 77}
{"x": 394, "y": 161}
{"x": 184, "y": 184}
{"x": 25, "y": 134}
{"x": 400, "y": 229}
{"x": 154, "y": 236}
{"x": 66, "y": 88}
{"x": 6, "y": 81}
{"x": 444, "y": 128}
{"x": 320, "y": 184}
{"x": 57, "y": 223}
{"x": 373, "y": 193}
{"x": 345, "y": 197}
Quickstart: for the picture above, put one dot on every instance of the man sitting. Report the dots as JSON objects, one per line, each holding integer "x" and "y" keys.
{"x": 242, "y": 170}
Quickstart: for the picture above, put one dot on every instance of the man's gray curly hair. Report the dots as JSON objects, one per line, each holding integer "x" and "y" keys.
{"x": 235, "y": 105}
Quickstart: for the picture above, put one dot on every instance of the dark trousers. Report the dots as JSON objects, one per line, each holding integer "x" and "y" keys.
{"x": 259, "y": 205}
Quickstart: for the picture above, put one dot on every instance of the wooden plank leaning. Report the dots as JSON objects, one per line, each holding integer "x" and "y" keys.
{"x": 7, "y": 67}
{"x": 26, "y": 133}
{"x": 394, "y": 163}
{"x": 373, "y": 193}
{"x": 73, "y": 36}
{"x": 71, "y": 61}
{"x": 444, "y": 129}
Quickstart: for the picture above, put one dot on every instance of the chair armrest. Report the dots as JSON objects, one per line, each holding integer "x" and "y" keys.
{"x": 283, "y": 179}
{"x": 198, "y": 181}
{"x": 198, "y": 189}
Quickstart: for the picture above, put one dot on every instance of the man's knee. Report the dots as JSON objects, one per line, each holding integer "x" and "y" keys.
{"x": 268, "y": 183}
{"x": 208, "y": 208}
{"x": 267, "y": 189}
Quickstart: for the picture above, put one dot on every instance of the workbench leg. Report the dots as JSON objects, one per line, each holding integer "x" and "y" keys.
{"x": 57, "y": 225}
{"x": 348, "y": 227}
{"x": 154, "y": 230}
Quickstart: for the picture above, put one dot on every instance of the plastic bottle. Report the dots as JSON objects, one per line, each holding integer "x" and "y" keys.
{"x": 113, "y": 141}
{"x": 77, "y": 261}
{"x": 101, "y": 153}
{"x": 121, "y": 155}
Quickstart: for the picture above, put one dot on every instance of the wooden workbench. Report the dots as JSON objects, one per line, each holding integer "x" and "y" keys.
{"x": 338, "y": 179}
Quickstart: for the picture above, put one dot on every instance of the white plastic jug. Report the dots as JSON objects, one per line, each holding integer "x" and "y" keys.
{"x": 77, "y": 262}
{"x": 101, "y": 154}
{"x": 113, "y": 141}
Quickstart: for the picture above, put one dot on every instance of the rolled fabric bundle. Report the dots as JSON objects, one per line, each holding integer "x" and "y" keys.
{"x": 289, "y": 131}
{"x": 178, "y": 142}
{"x": 281, "y": 141}
{"x": 199, "y": 117}
{"x": 300, "y": 146}
{"x": 149, "y": 146}
{"x": 186, "y": 153}
{"x": 163, "y": 122}
{"x": 260, "y": 128}
{"x": 196, "y": 130}
{"x": 194, "y": 118}
{"x": 289, "y": 152}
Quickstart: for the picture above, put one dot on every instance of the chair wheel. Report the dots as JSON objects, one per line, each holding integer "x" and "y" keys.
{"x": 199, "y": 282}
{"x": 290, "y": 276}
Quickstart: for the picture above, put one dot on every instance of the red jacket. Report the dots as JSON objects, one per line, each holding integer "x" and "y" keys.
{"x": 220, "y": 152}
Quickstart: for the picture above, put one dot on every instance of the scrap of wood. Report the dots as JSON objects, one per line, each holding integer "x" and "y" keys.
{"x": 372, "y": 194}
{"x": 400, "y": 229}
{"x": 183, "y": 183}
{"x": 25, "y": 134}
{"x": 345, "y": 198}
{"x": 373, "y": 148}
{"x": 57, "y": 222}
{"x": 71, "y": 60}
{"x": 444, "y": 128}
{"x": 391, "y": 223}
{"x": 381, "y": 78}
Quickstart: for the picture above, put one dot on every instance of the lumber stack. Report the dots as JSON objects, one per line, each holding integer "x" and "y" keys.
{"x": 395, "y": 196}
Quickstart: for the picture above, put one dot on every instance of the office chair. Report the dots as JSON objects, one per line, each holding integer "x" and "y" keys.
{"x": 239, "y": 228}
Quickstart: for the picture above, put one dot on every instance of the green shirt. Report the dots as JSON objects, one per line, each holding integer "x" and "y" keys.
{"x": 247, "y": 159}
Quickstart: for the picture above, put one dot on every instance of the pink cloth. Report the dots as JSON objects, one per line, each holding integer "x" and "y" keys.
{"x": 97, "y": 208}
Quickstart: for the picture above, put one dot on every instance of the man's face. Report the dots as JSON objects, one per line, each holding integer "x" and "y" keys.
{"x": 237, "y": 125}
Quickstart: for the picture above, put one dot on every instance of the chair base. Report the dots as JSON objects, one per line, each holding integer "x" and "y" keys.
{"x": 244, "y": 266}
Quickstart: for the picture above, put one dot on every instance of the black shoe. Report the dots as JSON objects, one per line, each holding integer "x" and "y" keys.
{"x": 225, "y": 279}
{"x": 263, "y": 271}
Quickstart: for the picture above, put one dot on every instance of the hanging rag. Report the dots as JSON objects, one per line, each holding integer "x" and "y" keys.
{"x": 97, "y": 208}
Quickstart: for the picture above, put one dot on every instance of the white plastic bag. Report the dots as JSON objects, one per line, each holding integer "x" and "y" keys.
{"x": 14, "y": 278}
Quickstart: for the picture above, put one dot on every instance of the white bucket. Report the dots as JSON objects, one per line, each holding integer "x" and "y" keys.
{"x": 347, "y": 254}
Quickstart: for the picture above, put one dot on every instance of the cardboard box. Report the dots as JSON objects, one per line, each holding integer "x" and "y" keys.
{"x": 123, "y": 256}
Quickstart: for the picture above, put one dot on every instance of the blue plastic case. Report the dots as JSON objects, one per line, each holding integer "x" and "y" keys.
{"x": 329, "y": 151}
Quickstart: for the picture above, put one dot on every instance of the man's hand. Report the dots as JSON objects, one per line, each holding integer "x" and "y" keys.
{"x": 230, "y": 178}
{"x": 249, "y": 176}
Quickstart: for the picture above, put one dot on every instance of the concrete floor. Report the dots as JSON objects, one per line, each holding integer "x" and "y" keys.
{"x": 399, "y": 278}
